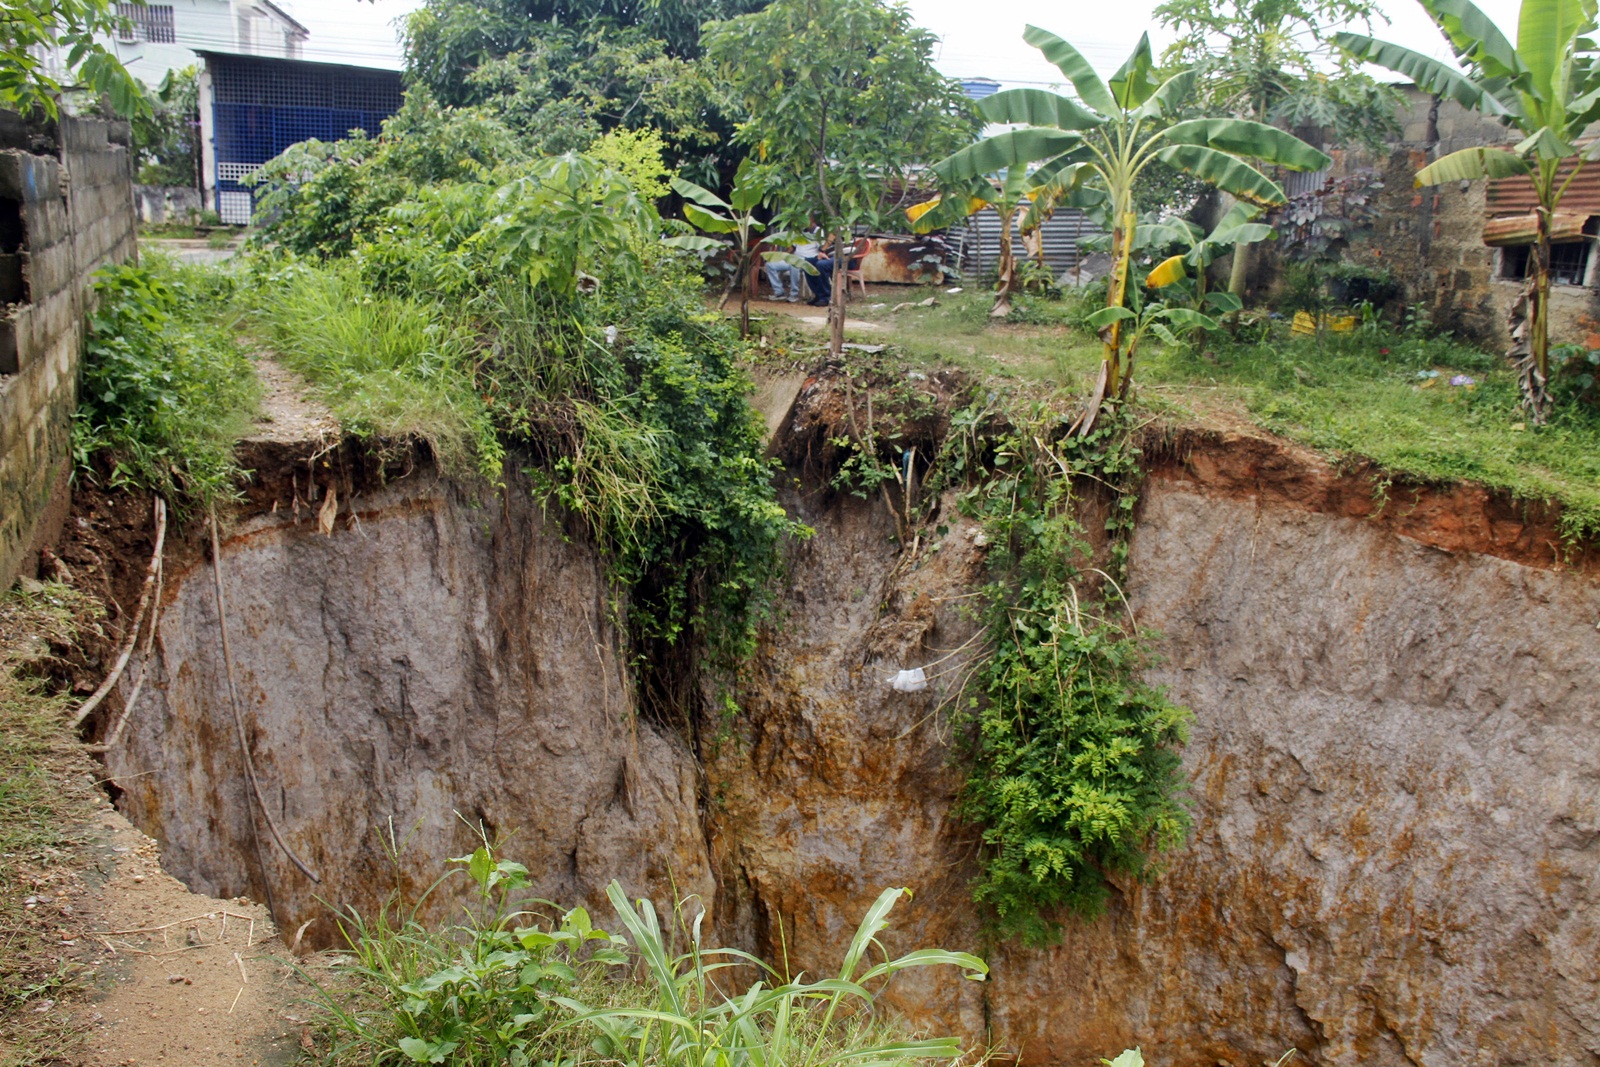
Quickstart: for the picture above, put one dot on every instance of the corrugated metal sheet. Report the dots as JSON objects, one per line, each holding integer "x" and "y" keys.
{"x": 1304, "y": 183}
{"x": 1522, "y": 229}
{"x": 979, "y": 243}
{"x": 1515, "y": 196}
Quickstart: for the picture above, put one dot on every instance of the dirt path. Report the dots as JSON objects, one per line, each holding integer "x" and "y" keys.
{"x": 162, "y": 975}
{"x": 185, "y": 978}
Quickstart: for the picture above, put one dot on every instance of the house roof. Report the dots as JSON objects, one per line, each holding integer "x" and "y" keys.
{"x": 285, "y": 16}
{"x": 321, "y": 64}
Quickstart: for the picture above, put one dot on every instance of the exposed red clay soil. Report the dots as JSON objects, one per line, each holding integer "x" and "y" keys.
{"x": 1461, "y": 517}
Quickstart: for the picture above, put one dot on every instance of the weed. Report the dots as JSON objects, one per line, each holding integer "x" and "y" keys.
{"x": 511, "y": 986}
{"x": 391, "y": 368}
{"x": 166, "y": 389}
{"x": 1074, "y": 771}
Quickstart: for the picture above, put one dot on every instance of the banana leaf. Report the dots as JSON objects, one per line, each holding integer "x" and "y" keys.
{"x": 1134, "y": 81}
{"x": 1036, "y": 107}
{"x": 1470, "y": 164}
{"x": 1430, "y": 75}
{"x": 1010, "y": 149}
{"x": 1254, "y": 140}
{"x": 1225, "y": 172}
{"x": 1167, "y": 99}
{"x": 1475, "y": 38}
{"x": 1091, "y": 90}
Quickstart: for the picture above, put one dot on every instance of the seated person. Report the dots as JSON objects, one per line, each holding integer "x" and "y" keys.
{"x": 822, "y": 281}
{"x": 777, "y": 271}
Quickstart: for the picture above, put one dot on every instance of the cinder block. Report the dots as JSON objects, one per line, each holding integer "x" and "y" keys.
{"x": 27, "y": 177}
{"x": 46, "y": 222}
{"x": 50, "y": 271}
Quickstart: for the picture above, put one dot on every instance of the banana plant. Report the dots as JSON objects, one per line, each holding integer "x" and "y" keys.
{"x": 1200, "y": 249}
{"x": 706, "y": 211}
{"x": 1162, "y": 319}
{"x": 1547, "y": 88}
{"x": 1105, "y": 138}
{"x": 1014, "y": 193}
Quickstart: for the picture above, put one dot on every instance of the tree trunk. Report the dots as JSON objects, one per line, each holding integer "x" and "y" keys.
{"x": 1239, "y": 272}
{"x": 1535, "y": 374}
{"x": 1006, "y": 283}
{"x": 841, "y": 267}
{"x": 1111, "y": 336}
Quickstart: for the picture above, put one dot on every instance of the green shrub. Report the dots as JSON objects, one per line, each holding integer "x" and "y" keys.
{"x": 505, "y": 987}
{"x": 1074, "y": 772}
{"x": 166, "y": 389}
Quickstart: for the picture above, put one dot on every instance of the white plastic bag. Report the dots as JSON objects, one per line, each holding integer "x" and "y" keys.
{"x": 912, "y": 681}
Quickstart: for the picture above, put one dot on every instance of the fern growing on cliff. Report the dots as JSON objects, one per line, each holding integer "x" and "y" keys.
{"x": 1075, "y": 774}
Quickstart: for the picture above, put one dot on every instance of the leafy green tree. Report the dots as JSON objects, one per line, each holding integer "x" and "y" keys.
{"x": 1105, "y": 139}
{"x": 841, "y": 97}
{"x": 35, "y": 28}
{"x": 1546, "y": 87}
{"x": 561, "y": 74}
{"x": 166, "y": 140}
{"x": 1275, "y": 61}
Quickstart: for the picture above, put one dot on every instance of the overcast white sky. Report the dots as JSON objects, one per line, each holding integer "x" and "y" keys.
{"x": 982, "y": 40}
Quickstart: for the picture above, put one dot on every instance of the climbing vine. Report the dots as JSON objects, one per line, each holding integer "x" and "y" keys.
{"x": 1074, "y": 774}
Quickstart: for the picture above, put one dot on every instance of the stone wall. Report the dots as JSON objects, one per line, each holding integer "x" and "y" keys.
{"x": 66, "y": 209}
{"x": 1432, "y": 238}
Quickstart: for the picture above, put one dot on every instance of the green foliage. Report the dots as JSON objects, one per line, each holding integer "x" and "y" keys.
{"x": 504, "y": 987}
{"x": 1074, "y": 770}
{"x": 391, "y": 368}
{"x": 315, "y": 197}
{"x": 31, "y": 31}
{"x": 636, "y": 155}
{"x": 841, "y": 97}
{"x": 532, "y": 303}
{"x": 166, "y": 389}
{"x": 166, "y": 139}
{"x": 1275, "y": 60}
{"x": 563, "y": 74}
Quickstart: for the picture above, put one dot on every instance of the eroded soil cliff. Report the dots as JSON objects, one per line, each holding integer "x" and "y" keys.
{"x": 1395, "y": 751}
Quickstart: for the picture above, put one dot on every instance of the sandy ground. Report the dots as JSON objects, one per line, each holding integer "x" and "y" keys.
{"x": 288, "y": 415}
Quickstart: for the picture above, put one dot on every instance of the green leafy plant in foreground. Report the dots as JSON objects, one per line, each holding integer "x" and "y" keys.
{"x": 504, "y": 988}
{"x": 166, "y": 389}
{"x": 1074, "y": 769}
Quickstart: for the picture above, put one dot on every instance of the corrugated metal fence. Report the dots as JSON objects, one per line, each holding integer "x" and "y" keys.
{"x": 978, "y": 245}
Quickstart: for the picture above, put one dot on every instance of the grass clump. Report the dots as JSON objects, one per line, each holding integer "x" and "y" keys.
{"x": 166, "y": 389}
{"x": 520, "y": 983}
{"x": 389, "y": 367}
{"x": 41, "y": 797}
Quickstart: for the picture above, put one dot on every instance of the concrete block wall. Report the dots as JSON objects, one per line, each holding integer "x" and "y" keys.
{"x": 66, "y": 209}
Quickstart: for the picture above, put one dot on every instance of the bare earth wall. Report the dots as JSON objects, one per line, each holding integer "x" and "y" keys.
{"x": 1395, "y": 755}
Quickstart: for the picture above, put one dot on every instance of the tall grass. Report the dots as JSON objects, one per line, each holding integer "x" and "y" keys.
{"x": 390, "y": 368}
{"x": 519, "y": 983}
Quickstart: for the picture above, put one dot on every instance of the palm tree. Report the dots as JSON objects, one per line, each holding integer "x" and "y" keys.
{"x": 1106, "y": 138}
{"x": 1548, "y": 89}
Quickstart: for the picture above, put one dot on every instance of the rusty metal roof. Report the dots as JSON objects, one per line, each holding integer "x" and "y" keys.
{"x": 1522, "y": 229}
{"x": 1514, "y": 196}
